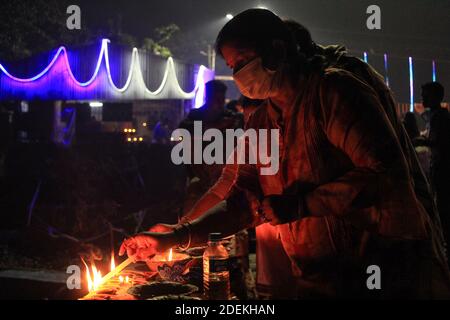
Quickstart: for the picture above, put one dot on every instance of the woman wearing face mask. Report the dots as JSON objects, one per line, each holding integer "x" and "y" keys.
{"x": 342, "y": 200}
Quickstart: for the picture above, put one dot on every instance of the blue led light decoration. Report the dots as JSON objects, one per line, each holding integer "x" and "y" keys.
{"x": 411, "y": 85}
{"x": 433, "y": 65}
{"x": 57, "y": 81}
{"x": 386, "y": 69}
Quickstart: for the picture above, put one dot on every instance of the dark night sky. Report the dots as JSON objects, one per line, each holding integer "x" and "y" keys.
{"x": 414, "y": 26}
{"x": 418, "y": 28}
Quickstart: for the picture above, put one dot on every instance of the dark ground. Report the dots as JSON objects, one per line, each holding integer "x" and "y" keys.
{"x": 84, "y": 192}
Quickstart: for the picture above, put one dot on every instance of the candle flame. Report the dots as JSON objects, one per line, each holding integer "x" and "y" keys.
{"x": 113, "y": 264}
{"x": 170, "y": 255}
{"x": 93, "y": 276}
{"x": 120, "y": 279}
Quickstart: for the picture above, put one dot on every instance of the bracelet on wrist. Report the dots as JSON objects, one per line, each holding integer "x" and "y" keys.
{"x": 179, "y": 233}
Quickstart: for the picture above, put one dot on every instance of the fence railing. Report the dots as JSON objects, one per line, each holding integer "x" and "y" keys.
{"x": 403, "y": 108}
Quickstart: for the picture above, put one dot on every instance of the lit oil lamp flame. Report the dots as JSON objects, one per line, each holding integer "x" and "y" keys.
{"x": 97, "y": 278}
{"x": 93, "y": 276}
{"x": 113, "y": 264}
{"x": 123, "y": 280}
{"x": 88, "y": 275}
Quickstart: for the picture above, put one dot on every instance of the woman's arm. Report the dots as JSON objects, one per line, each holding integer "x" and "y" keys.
{"x": 237, "y": 212}
{"x": 216, "y": 194}
{"x": 233, "y": 176}
{"x": 227, "y": 217}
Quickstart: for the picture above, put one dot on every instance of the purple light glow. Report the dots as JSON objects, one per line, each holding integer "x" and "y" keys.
{"x": 411, "y": 85}
{"x": 62, "y": 51}
{"x": 57, "y": 81}
{"x": 200, "y": 95}
{"x": 433, "y": 64}
{"x": 386, "y": 70}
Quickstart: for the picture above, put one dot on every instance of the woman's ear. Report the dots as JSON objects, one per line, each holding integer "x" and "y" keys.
{"x": 276, "y": 55}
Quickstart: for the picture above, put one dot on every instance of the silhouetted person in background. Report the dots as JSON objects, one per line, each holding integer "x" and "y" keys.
{"x": 232, "y": 106}
{"x": 161, "y": 132}
{"x": 212, "y": 114}
{"x": 214, "y": 108}
{"x": 439, "y": 142}
{"x": 410, "y": 124}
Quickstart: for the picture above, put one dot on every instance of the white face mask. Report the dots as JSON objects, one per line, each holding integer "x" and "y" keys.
{"x": 255, "y": 81}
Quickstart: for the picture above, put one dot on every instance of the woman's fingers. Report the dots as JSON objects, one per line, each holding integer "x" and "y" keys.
{"x": 123, "y": 248}
{"x": 131, "y": 252}
{"x": 144, "y": 254}
{"x": 138, "y": 247}
{"x": 267, "y": 211}
{"x": 143, "y": 245}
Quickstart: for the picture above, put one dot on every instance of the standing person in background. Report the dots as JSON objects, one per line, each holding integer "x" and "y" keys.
{"x": 212, "y": 115}
{"x": 439, "y": 142}
{"x": 161, "y": 134}
{"x": 410, "y": 122}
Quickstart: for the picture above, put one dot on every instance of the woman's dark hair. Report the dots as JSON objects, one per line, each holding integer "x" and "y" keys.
{"x": 256, "y": 29}
{"x": 302, "y": 38}
{"x": 259, "y": 29}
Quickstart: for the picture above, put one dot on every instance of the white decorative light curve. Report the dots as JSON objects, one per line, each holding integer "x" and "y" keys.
{"x": 134, "y": 88}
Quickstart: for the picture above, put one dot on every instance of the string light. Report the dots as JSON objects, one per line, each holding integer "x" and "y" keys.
{"x": 411, "y": 71}
{"x": 134, "y": 85}
{"x": 411, "y": 85}
{"x": 386, "y": 70}
{"x": 96, "y": 104}
{"x": 433, "y": 64}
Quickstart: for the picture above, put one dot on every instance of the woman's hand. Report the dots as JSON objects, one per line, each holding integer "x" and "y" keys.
{"x": 146, "y": 244}
{"x": 162, "y": 227}
{"x": 280, "y": 209}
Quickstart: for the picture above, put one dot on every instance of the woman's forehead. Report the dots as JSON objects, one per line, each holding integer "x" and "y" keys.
{"x": 231, "y": 53}
{"x": 234, "y": 49}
